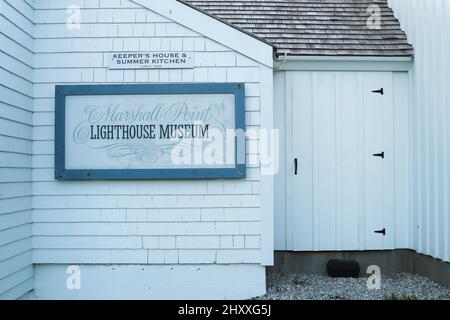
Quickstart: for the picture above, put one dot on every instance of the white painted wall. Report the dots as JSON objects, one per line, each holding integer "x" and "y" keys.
{"x": 333, "y": 123}
{"x": 146, "y": 222}
{"x": 149, "y": 282}
{"x": 16, "y": 119}
{"x": 427, "y": 25}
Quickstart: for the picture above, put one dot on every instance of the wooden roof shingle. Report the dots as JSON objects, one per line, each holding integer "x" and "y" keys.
{"x": 314, "y": 27}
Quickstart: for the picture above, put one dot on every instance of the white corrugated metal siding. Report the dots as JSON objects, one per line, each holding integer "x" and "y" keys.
{"x": 16, "y": 119}
{"x": 427, "y": 25}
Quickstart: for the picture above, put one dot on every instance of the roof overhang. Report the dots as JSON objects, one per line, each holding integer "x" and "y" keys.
{"x": 342, "y": 63}
{"x": 226, "y": 22}
{"x": 212, "y": 28}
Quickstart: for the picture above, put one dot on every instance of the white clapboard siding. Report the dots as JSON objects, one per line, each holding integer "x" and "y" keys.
{"x": 16, "y": 91}
{"x": 126, "y": 222}
{"x": 333, "y": 123}
{"x": 427, "y": 26}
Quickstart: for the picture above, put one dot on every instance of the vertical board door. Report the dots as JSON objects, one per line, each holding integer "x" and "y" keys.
{"x": 343, "y": 144}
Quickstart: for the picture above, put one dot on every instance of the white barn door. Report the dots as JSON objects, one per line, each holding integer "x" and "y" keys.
{"x": 341, "y": 188}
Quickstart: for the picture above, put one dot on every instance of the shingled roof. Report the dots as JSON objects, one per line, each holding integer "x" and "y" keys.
{"x": 313, "y": 27}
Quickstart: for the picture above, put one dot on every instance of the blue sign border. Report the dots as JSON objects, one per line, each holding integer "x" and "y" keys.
{"x": 61, "y": 92}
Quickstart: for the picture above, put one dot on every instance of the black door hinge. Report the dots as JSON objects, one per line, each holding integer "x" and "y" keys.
{"x": 383, "y": 232}
{"x": 381, "y": 155}
{"x": 380, "y": 91}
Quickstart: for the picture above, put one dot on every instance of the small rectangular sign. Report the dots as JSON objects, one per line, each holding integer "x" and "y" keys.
{"x": 163, "y": 131}
{"x": 151, "y": 60}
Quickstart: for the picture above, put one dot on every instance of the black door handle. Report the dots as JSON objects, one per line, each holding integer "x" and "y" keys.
{"x": 383, "y": 232}
{"x": 295, "y": 166}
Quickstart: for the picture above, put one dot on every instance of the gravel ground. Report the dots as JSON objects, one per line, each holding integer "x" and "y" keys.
{"x": 402, "y": 286}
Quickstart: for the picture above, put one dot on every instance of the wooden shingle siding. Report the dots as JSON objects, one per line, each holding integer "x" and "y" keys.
{"x": 16, "y": 120}
{"x": 129, "y": 222}
{"x": 314, "y": 27}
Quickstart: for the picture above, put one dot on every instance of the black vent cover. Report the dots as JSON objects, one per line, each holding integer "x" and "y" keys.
{"x": 343, "y": 268}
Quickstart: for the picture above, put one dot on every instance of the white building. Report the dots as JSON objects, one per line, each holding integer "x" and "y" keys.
{"x": 363, "y": 134}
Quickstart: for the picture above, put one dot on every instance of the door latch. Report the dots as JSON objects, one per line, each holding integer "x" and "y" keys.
{"x": 380, "y": 91}
{"x": 381, "y": 155}
{"x": 295, "y": 166}
{"x": 383, "y": 232}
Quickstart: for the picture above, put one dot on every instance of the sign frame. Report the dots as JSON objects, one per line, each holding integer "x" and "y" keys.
{"x": 62, "y": 91}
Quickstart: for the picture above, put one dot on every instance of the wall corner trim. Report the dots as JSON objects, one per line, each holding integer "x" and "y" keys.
{"x": 268, "y": 180}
